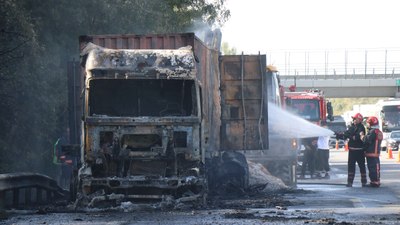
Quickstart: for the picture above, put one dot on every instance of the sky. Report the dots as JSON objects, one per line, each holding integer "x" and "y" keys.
{"x": 307, "y": 29}
{"x": 261, "y": 25}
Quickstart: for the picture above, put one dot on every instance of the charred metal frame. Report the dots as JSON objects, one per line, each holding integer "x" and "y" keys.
{"x": 141, "y": 156}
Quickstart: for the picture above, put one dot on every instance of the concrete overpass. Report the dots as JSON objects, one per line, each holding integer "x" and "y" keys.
{"x": 347, "y": 86}
{"x": 341, "y": 72}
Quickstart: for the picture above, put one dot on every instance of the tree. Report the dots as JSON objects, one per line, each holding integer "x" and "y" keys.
{"x": 18, "y": 46}
{"x": 37, "y": 38}
{"x": 341, "y": 105}
{"x": 227, "y": 50}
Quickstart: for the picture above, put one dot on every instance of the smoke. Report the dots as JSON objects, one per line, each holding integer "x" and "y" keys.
{"x": 285, "y": 124}
{"x": 200, "y": 29}
{"x": 208, "y": 34}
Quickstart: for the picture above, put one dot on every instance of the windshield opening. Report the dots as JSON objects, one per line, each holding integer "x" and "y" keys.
{"x": 131, "y": 98}
{"x": 391, "y": 117}
{"x": 305, "y": 108}
{"x": 395, "y": 135}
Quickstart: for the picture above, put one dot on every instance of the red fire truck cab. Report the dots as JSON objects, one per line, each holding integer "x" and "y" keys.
{"x": 310, "y": 105}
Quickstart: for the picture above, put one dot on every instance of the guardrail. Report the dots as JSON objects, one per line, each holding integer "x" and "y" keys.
{"x": 336, "y": 61}
{"x": 340, "y": 76}
{"x": 26, "y": 190}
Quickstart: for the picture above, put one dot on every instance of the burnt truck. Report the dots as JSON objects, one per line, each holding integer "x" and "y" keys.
{"x": 167, "y": 116}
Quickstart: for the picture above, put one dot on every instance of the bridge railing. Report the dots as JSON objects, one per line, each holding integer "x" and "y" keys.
{"x": 340, "y": 76}
{"x": 347, "y": 62}
{"x": 26, "y": 190}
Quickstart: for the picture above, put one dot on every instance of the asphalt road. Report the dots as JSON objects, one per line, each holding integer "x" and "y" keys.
{"x": 332, "y": 195}
{"x": 316, "y": 201}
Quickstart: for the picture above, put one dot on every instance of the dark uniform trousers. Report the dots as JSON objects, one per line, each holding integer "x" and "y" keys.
{"x": 374, "y": 170}
{"x": 359, "y": 157}
{"x": 308, "y": 162}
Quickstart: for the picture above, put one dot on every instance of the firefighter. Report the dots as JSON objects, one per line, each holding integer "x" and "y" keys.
{"x": 356, "y": 149}
{"x": 372, "y": 141}
{"x": 310, "y": 145}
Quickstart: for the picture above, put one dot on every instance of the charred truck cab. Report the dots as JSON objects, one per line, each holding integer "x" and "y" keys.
{"x": 142, "y": 124}
{"x": 166, "y": 117}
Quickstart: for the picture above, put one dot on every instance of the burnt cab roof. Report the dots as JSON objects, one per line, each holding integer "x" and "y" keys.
{"x": 172, "y": 63}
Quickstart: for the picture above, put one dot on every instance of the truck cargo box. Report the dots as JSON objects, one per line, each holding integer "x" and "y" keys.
{"x": 244, "y": 103}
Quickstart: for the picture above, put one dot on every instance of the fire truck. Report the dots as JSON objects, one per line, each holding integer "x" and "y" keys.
{"x": 311, "y": 105}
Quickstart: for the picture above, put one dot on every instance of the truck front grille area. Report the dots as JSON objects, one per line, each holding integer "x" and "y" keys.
{"x": 158, "y": 152}
{"x": 145, "y": 187}
{"x": 143, "y": 181}
{"x": 142, "y": 142}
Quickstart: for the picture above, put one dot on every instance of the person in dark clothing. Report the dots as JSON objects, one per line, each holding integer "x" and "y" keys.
{"x": 372, "y": 143}
{"x": 356, "y": 149}
{"x": 310, "y": 145}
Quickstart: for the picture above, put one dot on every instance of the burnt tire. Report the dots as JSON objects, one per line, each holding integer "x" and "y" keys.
{"x": 228, "y": 174}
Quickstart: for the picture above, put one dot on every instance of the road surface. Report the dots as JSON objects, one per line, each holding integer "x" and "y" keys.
{"x": 316, "y": 201}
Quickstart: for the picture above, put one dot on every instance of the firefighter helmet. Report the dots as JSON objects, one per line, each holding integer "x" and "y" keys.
{"x": 272, "y": 68}
{"x": 358, "y": 116}
{"x": 372, "y": 120}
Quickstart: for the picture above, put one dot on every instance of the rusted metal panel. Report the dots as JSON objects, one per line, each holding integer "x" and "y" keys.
{"x": 234, "y": 110}
{"x": 208, "y": 74}
{"x": 243, "y": 102}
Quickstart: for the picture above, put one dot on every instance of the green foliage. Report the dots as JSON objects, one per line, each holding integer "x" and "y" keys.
{"x": 38, "y": 38}
{"x": 341, "y": 105}
{"x": 189, "y": 10}
{"x": 227, "y": 50}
